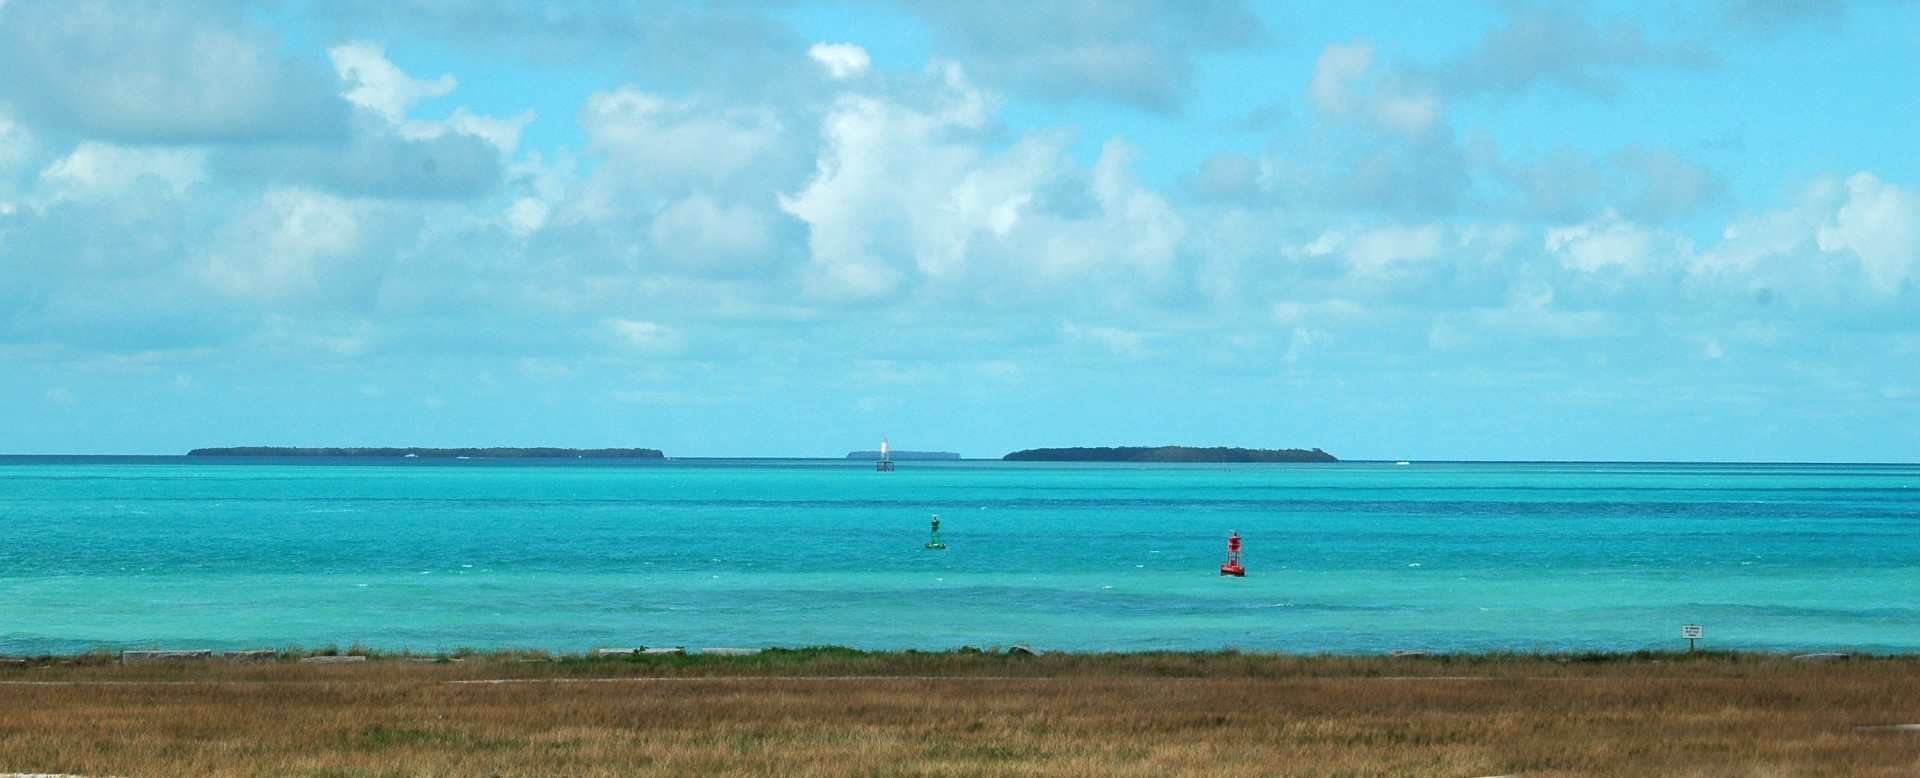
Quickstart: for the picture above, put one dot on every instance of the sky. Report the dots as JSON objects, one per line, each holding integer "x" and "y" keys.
{"x": 1685, "y": 230}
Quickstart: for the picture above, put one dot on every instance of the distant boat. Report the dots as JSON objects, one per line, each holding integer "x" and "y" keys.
{"x": 411, "y": 456}
{"x": 1402, "y": 463}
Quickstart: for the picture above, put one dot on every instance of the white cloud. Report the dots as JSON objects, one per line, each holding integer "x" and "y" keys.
{"x": 323, "y": 337}
{"x": 376, "y": 162}
{"x": 1553, "y": 44}
{"x": 883, "y": 161}
{"x": 842, "y": 60}
{"x": 1832, "y": 239}
{"x": 1120, "y": 342}
{"x": 1531, "y": 313}
{"x": 1335, "y": 312}
{"x": 1660, "y": 184}
{"x": 100, "y": 170}
{"x": 703, "y": 235}
{"x": 159, "y": 72}
{"x": 907, "y": 198}
{"x": 1880, "y": 224}
{"x": 384, "y": 152}
{"x": 1123, "y": 241}
{"x": 1303, "y": 342}
{"x": 378, "y": 85}
{"x": 653, "y": 150}
{"x": 1374, "y": 252}
{"x": 538, "y": 187}
{"x": 1610, "y": 242}
{"x": 503, "y": 133}
{"x": 1137, "y": 52}
{"x": 1226, "y": 177}
{"x": 1752, "y": 238}
{"x": 297, "y": 246}
{"x": 647, "y": 337}
{"x": 1141, "y": 226}
{"x": 1654, "y": 184}
{"x": 543, "y": 369}
{"x": 1346, "y": 86}
{"x": 527, "y": 215}
{"x": 16, "y": 146}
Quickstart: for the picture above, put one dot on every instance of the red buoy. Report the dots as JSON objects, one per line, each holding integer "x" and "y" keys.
{"x": 1232, "y": 567}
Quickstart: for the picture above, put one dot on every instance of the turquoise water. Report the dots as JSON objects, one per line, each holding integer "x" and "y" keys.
{"x": 569, "y": 555}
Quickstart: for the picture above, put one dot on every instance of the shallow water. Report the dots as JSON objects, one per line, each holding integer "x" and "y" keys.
{"x": 571, "y": 554}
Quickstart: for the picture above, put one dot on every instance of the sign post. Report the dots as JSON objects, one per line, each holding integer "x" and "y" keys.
{"x": 1691, "y": 632}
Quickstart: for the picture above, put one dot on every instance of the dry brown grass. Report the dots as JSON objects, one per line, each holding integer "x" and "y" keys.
{"x": 963, "y": 714}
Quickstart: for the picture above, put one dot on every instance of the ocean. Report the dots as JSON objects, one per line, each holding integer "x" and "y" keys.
{"x": 568, "y": 555}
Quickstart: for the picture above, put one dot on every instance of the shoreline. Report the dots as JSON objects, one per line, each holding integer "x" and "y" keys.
{"x": 765, "y": 654}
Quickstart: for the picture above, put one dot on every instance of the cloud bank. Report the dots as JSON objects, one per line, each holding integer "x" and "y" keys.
{"x": 184, "y": 190}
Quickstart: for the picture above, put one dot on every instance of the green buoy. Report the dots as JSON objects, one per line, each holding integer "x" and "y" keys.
{"x": 935, "y": 542}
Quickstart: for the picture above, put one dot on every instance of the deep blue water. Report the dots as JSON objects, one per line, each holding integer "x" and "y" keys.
{"x": 572, "y": 554}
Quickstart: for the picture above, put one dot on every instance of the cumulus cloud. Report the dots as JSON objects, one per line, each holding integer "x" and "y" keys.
{"x": 1556, "y": 45}
{"x": 378, "y": 85}
{"x": 389, "y": 153}
{"x": 1836, "y": 245}
{"x": 841, "y": 60}
{"x": 1381, "y": 143}
{"x": 1879, "y": 224}
{"x": 1610, "y": 243}
{"x": 827, "y": 189}
{"x": 1384, "y": 144}
{"x": 1125, "y": 343}
{"x": 1346, "y": 85}
{"x": 296, "y": 248}
{"x": 881, "y": 161}
{"x": 653, "y": 150}
{"x": 95, "y": 170}
{"x": 1654, "y": 184}
{"x": 646, "y": 337}
{"x": 94, "y": 266}
{"x": 702, "y": 235}
{"x": 375, "y": 163}
{"x": 1660, "y": 184}
{"x": 1136, "y": 52}
{"x": 1226, "y": 177}
{"x": 148, "y": 72}
{"x": 1377, "y": 251}
{"x": 732, "y": 49}
{"x": 906, "y": 198}
{"x": 1133, "y": 238}
{"x": 17, "y": 148}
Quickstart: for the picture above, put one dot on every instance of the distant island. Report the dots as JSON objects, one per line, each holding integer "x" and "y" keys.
{"x": 444, "y": 453}
{"x": 871, "y": 456}
{"x": 1169, "y": 454}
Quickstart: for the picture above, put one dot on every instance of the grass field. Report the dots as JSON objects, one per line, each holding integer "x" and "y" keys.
{"x": 839, "y": 712}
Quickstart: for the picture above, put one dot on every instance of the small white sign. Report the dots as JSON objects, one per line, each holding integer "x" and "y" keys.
{"x": 1692, "y": 631}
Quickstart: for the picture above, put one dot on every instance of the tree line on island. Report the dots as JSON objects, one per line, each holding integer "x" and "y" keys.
{"x": 1214, "y": 454}
{"x": 491, "y": 452}
{"x": 1167, "y": 454}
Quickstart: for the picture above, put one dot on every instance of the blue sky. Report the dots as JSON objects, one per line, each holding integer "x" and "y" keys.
{"x": 1507, "y": 230}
